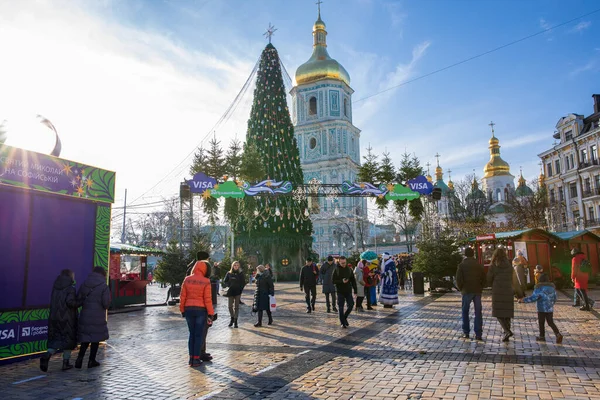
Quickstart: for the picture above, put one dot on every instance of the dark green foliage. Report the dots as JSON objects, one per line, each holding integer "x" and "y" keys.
{"x": 252, "y": 167}
{"x": 438, "y": 256}
{"x": 271, "y": 133}
{"x": 233, "y": 159}
{"x": 172, "y": 267}
{"x": 370, "y": 168}
{"x": 386, "y": 173}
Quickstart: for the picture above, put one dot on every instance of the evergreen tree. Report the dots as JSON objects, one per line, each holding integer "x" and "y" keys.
{"x": 215, "y": 160}
{"x": 386, "y": 173}
{"x": 438, "y": 255}
{"x": 233, "y": 159}
{"x": 369, "y": 170}
{"x": 199, "y": 162}
{"x": 280, "y": 225}
{"x": 172, "y": 267}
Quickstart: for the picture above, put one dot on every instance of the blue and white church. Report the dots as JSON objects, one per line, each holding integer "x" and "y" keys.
{"x": 329, "y": 144}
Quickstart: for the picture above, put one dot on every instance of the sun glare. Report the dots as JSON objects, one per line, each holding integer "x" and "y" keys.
{"x": 29, "y": 133}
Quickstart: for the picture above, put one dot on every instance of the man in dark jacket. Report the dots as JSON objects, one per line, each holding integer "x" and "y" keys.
{"x": 470, "y": 280}
{"x": 345, "y": 283}
{"x": 328, "y": 287}
{"x": 308, "y": 283}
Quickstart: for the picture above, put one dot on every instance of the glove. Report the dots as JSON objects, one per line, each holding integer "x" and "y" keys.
{"x": 183, "y": 315}
{"x": 214, "y": 317}
{"x": 301, "y": 289}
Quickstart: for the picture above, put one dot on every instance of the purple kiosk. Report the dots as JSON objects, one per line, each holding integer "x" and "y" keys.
{"x": 54, "y": 214}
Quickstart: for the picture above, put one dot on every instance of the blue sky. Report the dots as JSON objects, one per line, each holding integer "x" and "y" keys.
{"x": 148, "y": 79}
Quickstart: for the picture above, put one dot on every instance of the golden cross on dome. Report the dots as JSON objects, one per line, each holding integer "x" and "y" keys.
{"x": 437, "y": 155}
{"x": 450, "y": 174}
{"x": 428, "y": 165}
{"x": 318, "y": 3}
{"x": 270, "y": 32}
{"x": 492, "y": 124}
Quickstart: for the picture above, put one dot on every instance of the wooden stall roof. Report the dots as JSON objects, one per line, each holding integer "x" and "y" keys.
{"x": 575, "y": 234}
{"x": 519, "y": 233}
{"x": 123, "y": 248}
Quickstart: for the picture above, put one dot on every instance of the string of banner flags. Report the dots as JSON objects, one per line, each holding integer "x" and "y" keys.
{"x": 210, "y": 187}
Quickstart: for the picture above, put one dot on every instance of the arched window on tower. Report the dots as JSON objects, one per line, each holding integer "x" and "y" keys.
{"x": 345, "y": 107}
{"x": 506, "y": 193}
{"x": 498, "y": 195}
{"x": 312, "y": 106}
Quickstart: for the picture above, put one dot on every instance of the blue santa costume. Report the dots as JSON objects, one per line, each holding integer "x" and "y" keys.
{"x": 389, "y": 281}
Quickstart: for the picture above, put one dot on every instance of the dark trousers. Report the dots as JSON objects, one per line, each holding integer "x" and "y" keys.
{"x": 93, "y": 350}
{"x": 310, "y": 293}
{"x": 260, "y": 316}
{"x": 196, "y": 321}
{"x": 203, "y": 349}
{"x": 368, "y": 296}
{"x": 505, "y": 324}
{"x": 548, "y": 317}
{"x": 345, "y": 298}
{"x": 582, "y": 294}
{"x": 333, "y": 300}
{"x": 359, "y": 301}
{"x": 467, "y": 299}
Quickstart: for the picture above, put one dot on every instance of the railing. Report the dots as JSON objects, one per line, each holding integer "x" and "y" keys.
{"x": 592, "y": 223}
{"x": 587, "y": 164}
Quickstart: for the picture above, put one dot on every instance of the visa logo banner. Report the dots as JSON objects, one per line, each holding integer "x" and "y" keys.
{"x": 20, "y": 332}
{"x": 421, "y": 185}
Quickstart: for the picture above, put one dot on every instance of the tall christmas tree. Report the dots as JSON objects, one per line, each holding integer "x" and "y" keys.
{"x": 280, "y": 227}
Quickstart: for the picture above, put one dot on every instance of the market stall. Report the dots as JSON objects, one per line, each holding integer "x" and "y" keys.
{"x": 584, "y": 240}
{"x": 54, "y": 214}
{"x": 129, "y": 274}
{"x": 536, "y": 245}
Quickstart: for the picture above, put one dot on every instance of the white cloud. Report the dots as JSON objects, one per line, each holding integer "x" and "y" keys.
{"x": 545, "y": 25}
{"x": 370, "y": 70}
{"x": 125, "y": 99}
{"x": 395, "y": 13}
{"x": 580, "y": 27}
{"x": 589, "y": 66}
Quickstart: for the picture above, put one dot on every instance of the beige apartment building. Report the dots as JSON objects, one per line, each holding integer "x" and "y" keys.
{"x": 572, "y": 173}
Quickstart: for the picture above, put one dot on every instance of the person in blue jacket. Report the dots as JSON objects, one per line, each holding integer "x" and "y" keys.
{"x": 545, "y": 296}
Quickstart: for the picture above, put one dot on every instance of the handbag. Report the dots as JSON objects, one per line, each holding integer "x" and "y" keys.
{"x": 272, "y": 303}
{"x": 225, "y": 292}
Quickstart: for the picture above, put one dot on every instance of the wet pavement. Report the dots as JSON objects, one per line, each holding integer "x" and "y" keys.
{"x": 414, "y": 351}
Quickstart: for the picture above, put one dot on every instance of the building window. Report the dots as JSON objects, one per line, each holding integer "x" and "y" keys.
{"x": 312, "y": 106}
{"x": 549, "y": 169}
{"x": 572, "y": 158}
{"x": 498, "y": 195}
{"x": 573, "y": 189}
{"x": 557, "y": 167}
{"x": 312, "y": 143}
{"x": 345, "y": 107}
{"x": 563, "y": 217}
{"x": 561, "y": 194}
{"x": 597, "y": 182}
{"x": 591, "y": 213}
{"x": 552, "y": 198}
{"x": 594, "y": 151}
{"x": 588, "y": 185}
{"x": 569, "y": 135}
{"x": 584, "y": 156}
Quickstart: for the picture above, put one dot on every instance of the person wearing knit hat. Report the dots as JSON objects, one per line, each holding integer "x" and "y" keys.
{"x": 389, "y": 289}
{"x": 544, "y": 295}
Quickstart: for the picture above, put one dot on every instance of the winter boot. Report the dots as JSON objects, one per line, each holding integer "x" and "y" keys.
{"x": 78, "y": 362}
{"x": 93, "y": 364}
{"x": 66, "y": 365}
{"x": 44, "y": 360}
{"x": 231, "y": 322}
{"x": 235, "y": 325}
{"x": 270, "y": 320}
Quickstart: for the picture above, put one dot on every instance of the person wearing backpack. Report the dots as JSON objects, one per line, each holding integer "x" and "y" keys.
{"x": 580, "y": 268}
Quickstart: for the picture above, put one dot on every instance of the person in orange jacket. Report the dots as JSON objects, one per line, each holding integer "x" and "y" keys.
{"x": 197, "y": 308}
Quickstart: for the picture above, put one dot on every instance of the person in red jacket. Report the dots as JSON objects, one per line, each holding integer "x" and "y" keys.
{"x": 197, "y": 308}
{"x": 369, "y": 281}
{"x": 580, "y": 278}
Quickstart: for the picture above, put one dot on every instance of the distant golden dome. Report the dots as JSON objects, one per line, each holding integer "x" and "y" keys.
{"x": 496, "y": 166}
{"x": 320, "y": 65}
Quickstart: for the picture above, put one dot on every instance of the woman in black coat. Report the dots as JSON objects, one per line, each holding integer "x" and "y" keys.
{"x": 62, "y": 321}
{"x": 235, "y": 281}
{"x": 264, "y": 289}
{"x": 94, "y": 297}
{"x": 500, "y": 278}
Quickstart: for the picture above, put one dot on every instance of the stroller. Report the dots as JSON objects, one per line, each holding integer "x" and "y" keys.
{"x": 174, "y": 292}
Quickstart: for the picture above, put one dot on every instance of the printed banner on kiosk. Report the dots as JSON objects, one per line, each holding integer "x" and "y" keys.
{"x": 41, "y": 172}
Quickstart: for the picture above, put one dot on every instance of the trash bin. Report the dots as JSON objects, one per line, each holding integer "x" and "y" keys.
{"x": 418, "y": 283}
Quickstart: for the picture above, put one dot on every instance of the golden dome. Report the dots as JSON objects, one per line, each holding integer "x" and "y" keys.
{"x": 496, "y": 166}
{"x": 451, "y": 185}
{"x": 320, "y": 65}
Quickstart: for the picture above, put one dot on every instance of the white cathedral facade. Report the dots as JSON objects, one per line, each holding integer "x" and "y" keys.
{"x": 329, "y": 144}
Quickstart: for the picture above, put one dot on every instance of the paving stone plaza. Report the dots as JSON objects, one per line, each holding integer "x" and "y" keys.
{"x": 414, "y": 351}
